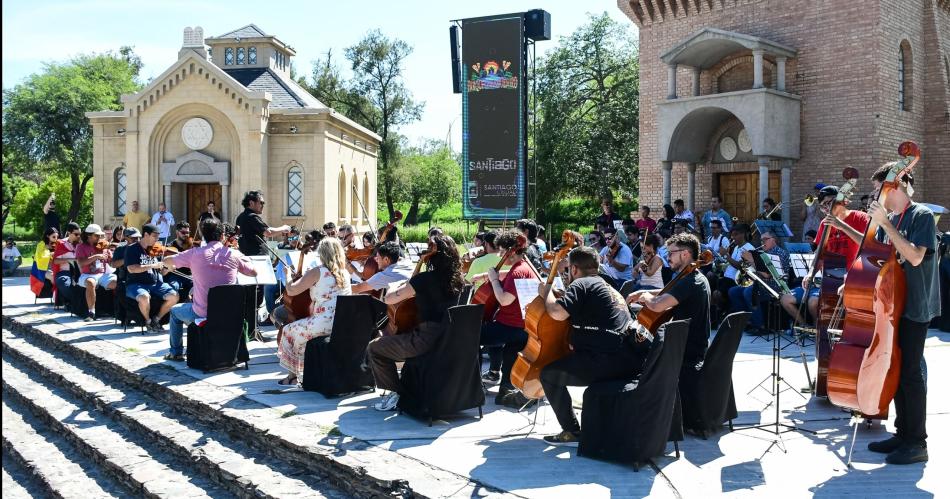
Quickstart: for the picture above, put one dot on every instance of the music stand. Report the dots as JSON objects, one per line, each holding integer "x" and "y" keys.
{"x": 777, "y": 227}
{"x": 265, "y": 275}
{"x": 776, "y": 428}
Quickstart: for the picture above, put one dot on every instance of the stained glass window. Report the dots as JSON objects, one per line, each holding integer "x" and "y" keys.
{"x": 295, "y": 191}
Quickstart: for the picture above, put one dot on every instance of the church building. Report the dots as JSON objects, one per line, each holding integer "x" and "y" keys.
{"x": 746, "y": 99}
{"x": 227, "y": 118}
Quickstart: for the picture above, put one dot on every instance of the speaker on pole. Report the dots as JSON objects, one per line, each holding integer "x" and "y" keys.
{"x": 456, "y": 60}
{"x": 537, "y": 25}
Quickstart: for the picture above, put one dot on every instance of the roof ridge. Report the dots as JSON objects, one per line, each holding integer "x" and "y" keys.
{"x": 253, "y": 26}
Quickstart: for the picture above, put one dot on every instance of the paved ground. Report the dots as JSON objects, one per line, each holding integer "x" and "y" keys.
{"x": 505, "y": 452}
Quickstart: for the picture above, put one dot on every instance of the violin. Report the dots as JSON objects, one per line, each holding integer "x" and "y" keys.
{"x": 403, "y": 315}
{"x": 103, "y": 245}
{"x": 159, "y": 250}
{"x": 547, "y": 337}
{"x": 864, "y": 368}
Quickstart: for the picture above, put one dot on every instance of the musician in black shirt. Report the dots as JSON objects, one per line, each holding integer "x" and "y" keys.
{"x": 598, "y": 336}
{"x": 252, "y": 226}
{"x": 435, "y": 291}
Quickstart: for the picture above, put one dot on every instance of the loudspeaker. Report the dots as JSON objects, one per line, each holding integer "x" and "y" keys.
{"x": 456, "y": 60}
{"x": 537, "y": 24}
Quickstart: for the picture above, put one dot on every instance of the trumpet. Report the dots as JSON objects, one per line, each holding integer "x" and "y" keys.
{"x": 809, "y": 200}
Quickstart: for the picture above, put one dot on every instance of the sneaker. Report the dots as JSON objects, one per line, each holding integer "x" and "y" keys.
{"x": 908, "y": 454}
{"x": 564, "y": 438}
{"x": 885, "y": 446}
{"x": 388, "y": 403}
{"x": 155, "y": 325}
{"x": 88, "y": 318}
{"x": 491, "y": 377}
{"x": 174, "y": 357}
{"x": 517, "y": 400}
{"x": 502, "y": 393}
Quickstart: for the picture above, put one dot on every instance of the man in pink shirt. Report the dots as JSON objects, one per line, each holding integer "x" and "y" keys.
{"x": 211, "y": 265}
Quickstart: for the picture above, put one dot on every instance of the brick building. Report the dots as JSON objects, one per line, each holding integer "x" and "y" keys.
{"x": 227, "y": 118}
{"x": 748, "y": 98}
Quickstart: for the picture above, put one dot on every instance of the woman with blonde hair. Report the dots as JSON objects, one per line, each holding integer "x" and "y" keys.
{"x": 324, "y": 282}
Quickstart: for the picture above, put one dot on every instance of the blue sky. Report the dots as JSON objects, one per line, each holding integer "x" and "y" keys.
{"x": 38, "y": 31}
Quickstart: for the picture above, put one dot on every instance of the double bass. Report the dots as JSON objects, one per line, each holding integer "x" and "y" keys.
{"x": 403, "y": 316}
{"x": 833, "y": 267}
{"x": 485, "y": 294}
{"x": 864, "y": 368}
{"x": 547, "y": 337}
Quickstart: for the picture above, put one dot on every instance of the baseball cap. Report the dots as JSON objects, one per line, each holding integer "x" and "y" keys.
{"x": 828, "y": 190}
{"x": 94, "y": 229}
{"x": 132, "y": 232}
{"x": 819, "y": 186}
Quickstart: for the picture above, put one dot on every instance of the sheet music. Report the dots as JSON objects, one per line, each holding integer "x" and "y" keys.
{"x": 527, "y": 290}
{"x": 801, "y": 263}
{"x": 777, "y": 263}
{"x": 618, "y": 224}
{"x": 265, "y": 272}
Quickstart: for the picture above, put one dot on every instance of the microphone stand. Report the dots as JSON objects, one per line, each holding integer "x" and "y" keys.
{"x": 777, "y": 427}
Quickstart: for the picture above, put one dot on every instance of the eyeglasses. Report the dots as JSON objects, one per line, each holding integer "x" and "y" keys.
{"x": 676, "y": 251}
{"x": 768, "y": 238}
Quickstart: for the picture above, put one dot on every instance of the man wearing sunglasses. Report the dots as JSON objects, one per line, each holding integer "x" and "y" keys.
{"x": 752, "y": 298}
{"x": 617, "y": 259}
{"x": 253, "y": 228}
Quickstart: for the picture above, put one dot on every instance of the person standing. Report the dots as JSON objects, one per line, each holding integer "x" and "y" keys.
{"x": 50, "y": 216}
{"x": 646, "y": 224}
{"x": 716, "y": 213}
{"x": 135, "y": 218}
{"x": 811, "y": 215}
{"x": 910, "y": 227}
{"x": 164, "y": 220}
{"x": 607, "y": 217}
{"x": 253, "y": 228}
{"x": 209, "y": 212}
{"x": 211, "y": 265}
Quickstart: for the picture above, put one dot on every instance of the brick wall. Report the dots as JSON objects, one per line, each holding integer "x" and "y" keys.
{"x": 845, "y": 72}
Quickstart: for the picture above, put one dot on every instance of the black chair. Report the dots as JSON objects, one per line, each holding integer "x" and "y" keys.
{"x": 631, "y": 420}
{"x": 447, "y": 380}
{"x": 46, "y": 292}
{"x": 221, "y": 342}
{"x": 127, "y": 310}
{"x": 627, "y": 287}
{"x": 706, "y": 390}
{"x": 336, "y": 365}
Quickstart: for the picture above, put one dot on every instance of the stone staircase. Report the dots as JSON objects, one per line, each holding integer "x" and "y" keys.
{"x": 83, "y": 416}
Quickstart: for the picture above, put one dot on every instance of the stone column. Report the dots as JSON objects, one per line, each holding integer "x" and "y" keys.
{"x": 691, "y": 187}
{"x": 780, "y": 73}
{"x": 757, "y": 68}
{"x": 695, "y": 75}
{"x": 671, "y": 81}
{"x": 226, "y": 201}
{"x": 787, "y": 191}
{"x": 763, "y": 179}
{"x": 667, "y": 182}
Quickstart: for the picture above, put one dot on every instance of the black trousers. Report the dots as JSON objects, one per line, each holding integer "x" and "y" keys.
{"x": 582, "y": 369}
{"x": 385, "y": 351}
{"x": 911, "y": 397}
{"x": 513, "y": 339}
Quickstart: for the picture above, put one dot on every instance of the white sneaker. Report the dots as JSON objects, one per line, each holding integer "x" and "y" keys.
{"x": 388, "y": 403}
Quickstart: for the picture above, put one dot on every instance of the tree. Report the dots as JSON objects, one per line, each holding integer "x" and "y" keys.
{"x": 375, "y": 96}
{"x": 428, "y": 174}
{"x": 588, "y": 94}
{"x": 28, "y": 204}
{"x": 44, "y": 120}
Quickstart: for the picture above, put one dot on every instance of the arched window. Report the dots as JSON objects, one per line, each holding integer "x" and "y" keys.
{"x": 295, "y": 191}
{"x": 905, "y": 73}
{"x": 228, "y": 56}
{"x": 121, "y": 186}
{"x": 252, "y": 55}
{"x": 354, "y": 206}
{"x": 341, "y": 202}
{"x": 240, "y": 57}
{"x": 366, "y": 197}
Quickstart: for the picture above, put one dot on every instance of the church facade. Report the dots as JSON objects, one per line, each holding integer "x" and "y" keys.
{"x": 227, "y": 118}
{"x": 746, "y": 99}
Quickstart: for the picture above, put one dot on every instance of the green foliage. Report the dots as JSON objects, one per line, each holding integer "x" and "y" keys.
{"x": 28, "y": 205}
{"x": 429, "y": 174}
{"x": 374, "y": 97}
{"x": 579, "y": 213}
{"x": 588, "y": 94}
{"x": 44, "y": 122}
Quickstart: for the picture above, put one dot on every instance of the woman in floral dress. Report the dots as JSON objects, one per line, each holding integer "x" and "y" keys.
{"x": 325, "y": 283}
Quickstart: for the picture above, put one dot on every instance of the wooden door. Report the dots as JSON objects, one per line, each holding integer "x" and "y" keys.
{"x": 739, "y": 193}
{"x": 198, "y": 197}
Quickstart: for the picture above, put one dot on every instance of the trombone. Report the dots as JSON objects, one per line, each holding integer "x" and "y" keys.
{"x": 810, "y": 200}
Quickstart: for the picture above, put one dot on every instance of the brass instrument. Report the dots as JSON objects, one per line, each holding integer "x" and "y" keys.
{"x": 765, "y": 215}
{"x": 809, "y": 200}
{"x": 742, "y": 278}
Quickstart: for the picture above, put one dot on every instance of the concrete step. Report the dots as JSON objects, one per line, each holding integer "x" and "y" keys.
{"x": 356, "y": 467}
{"x": 146, "y": 469}
{"x": 19, "y": 482}
{"x": 61, "y": 470}
{"x": 229, "y": 462}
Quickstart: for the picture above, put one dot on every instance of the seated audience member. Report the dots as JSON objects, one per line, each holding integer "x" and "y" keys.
{"x": 11, "y": 257}
{"x": 64, "y": 256}
{"x": 94, "y": 266}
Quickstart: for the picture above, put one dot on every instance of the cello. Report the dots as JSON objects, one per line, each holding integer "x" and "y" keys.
{"x": 403, "y": 315}
{"x": 485, "y": 294}
{"x": 833, "y": 267}
{"x": 864, "y": 368}
{"x": 648, "y": 321}
{"x": 370, "y": 267}
{"x": 547, "y": 337}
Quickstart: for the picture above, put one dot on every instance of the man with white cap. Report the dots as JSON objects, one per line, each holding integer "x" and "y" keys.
{"x": 94, "y": 266}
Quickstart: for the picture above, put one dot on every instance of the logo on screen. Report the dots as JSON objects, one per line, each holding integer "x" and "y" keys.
{"x": 490, "y": 75}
